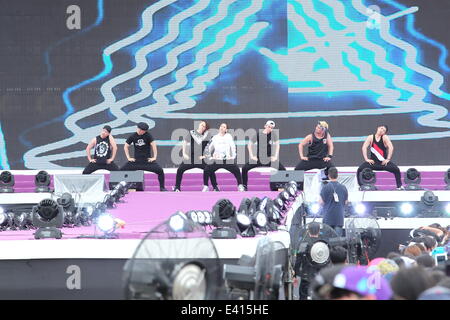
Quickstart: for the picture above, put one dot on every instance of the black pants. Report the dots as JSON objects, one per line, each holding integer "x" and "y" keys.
{"x": 314, "y": 164}
{"x": 92, "y": 166}
{"x": 303, "y": 289}
{"x": 390, "y": 167}
{"x": 184, "y": 167}
{"x": 146, "y": 166}
{"x": 210, "y": 169}
{"x": 248, "y": 166}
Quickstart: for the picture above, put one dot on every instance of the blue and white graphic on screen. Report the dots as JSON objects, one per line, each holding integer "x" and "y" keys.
{"x": 339, "y": 50}
{"x": 340, "y": 59}
{"x": 181, "y": 48}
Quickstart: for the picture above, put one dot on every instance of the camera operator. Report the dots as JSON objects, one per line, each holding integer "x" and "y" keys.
{"x": 303, "y": 269}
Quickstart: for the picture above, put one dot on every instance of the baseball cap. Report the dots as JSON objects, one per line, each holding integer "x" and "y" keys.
{"x": 142, "y": 126}
{"x": 364, "y": 281}
{"x": 270, "y": 123}
{"x": 107, "y": 128}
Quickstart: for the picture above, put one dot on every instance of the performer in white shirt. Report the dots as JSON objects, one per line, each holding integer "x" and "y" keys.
{"x": 218, "y": 154}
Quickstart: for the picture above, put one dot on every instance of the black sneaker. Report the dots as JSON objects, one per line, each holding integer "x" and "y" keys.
{"x": 162, "y": 189}
{"x": 175, "y": 189}
{"x": 216, "y": 189}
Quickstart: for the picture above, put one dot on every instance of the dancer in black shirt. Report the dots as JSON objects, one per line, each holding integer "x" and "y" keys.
{"x": 105, "y": 149}
{"x": 144, "y": 146}
{"x": 267, "y": 151}
{"x": 320, "y": 149}
{"x": 194, "y": 145}
{"x": 381, "y": 151}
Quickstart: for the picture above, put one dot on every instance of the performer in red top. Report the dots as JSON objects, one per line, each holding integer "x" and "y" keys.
{"x": 381, "y": 150}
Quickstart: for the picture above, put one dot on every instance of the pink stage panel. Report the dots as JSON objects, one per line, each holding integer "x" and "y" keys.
{"x": 144, "y": 210}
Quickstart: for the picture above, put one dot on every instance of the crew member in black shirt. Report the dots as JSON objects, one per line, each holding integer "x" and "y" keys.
{"x": 265, "y": 155}
{"x": 381, "y": 151}
{"x": 193, "y": 157}
{"x": 320, "y": 149}
{"x": 105, "y": 149}
{"x": 334, "y": 197}
{"x": 143, "y": 160}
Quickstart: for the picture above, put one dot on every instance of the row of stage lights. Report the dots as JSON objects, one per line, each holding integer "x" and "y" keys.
{"x": 368, "y": 179}
{"x": 64, "y": 213}
{"x": 41, "y": 182}
{"x": 428, "y": 206}
{"x": 226, "y": 221}
{"x": 412, "y": 179}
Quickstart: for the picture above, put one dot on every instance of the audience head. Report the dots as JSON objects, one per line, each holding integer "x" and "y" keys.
{"x": 425, "y": 261}
{"x": 338, "y": 255}
{"x": 409, "y": 283}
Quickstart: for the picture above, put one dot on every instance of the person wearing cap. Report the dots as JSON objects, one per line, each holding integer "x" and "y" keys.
{"x": 360, "y": 283}
{"x": 144, "y": 146}
{"x": 265, "y": 156}
{"x": 105, "y": 149}
{"x": 220, "y": 153}
{"x": 194, "y": 145}
{"x": 381, "y": 150}
{"x": 320, "y": 149}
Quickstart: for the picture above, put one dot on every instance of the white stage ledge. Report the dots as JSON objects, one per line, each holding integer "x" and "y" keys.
{"x": 116, "y": 248}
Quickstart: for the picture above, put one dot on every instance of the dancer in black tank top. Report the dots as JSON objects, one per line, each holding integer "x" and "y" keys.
{"x": 381, "y": 150}
{"x": 194, "y": 145}
{"x": 105, "y": 149}
{"x": 320, "y": 149}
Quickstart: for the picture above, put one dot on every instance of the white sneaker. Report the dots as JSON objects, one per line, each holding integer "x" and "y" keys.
{"x": 241, "y": 188}
{"x": 401, "y": 188}
{"x": 205, "y": 189}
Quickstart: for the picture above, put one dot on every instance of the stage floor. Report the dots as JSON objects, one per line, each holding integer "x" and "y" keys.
{"x": 141, "y": 211}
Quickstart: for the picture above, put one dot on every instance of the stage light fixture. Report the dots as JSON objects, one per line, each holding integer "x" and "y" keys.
{"x": 279, "y": 204}
{"x": 179, "y": 222}
{"x": 268, "y": 207}
{"x": 201, "y": 219}
{"x": 412, "y": 179}
{"x": 48, "y": 217}
{"x": 314, "y": 209}
{"x": 106, "y": 224}
{"x": 6, "y": 182}
{"x": 86, "y": 215}
{"x": 368, "y": 180}
{"x": 22, "y": 220}
{"x": 447, "y": 209}
{"x": 71, "y": 217}
{"x": 447, "y": 179}
{"x": 193, "y": 216}
{"x": 224, "y": 219}
{"x": 99, "y": 209}
{"x": 208, "y": 217}
{"x": 292, "y": 189}
{"x": 42, "y": 181}
{"x": 285, "y": 196}
{"x": 109, "y": 201}
{"x": 6, "y": 220}
{"x": 245, "y": 226}
{"x": 259, "y": 219}
{"x": 429, "y": 206}
{"x": 406, "y": 209}
{"x": 360, "y": 209}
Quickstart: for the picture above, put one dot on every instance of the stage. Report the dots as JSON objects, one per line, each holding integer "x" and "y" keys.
{"x": 42, "y": 269}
